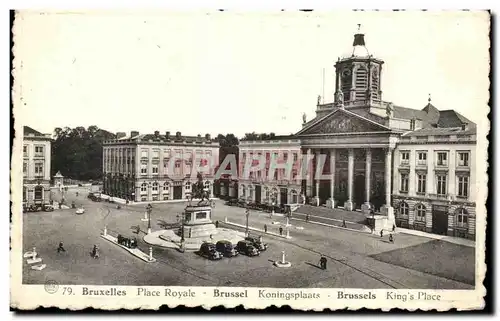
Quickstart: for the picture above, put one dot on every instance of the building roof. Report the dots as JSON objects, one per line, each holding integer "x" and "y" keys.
{"x": 30, "y": 131}
{"x": 173, "y": 138}
{"x": 442, "y": 131}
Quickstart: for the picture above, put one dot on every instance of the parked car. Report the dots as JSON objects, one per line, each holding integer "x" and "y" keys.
{"x": 257, "y": 242}
{"x": 232, "y": 202}
{"x": 80, "y": 210}
{"x": 209, "y": 251}
{"x": 226, "y": 248}
{"x": 48, "y": 208}
{"x": 247, "y": 248}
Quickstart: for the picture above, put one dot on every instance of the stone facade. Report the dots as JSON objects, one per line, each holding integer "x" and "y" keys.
{"x": 36, "y": 167}
{"x": 158, "y": 167}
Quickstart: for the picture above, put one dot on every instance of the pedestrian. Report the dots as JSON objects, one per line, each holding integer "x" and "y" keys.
{"x": 216, "y": 224}
{"x": 322, "y": 262}
{"x": 61, "y": 248}
{"x": 307, "y": 217}
{"x": 265, "y": 228}
{"x": 343, "y": 224}
{"x": 281, "y": 231}
{"x": 393, "y": 227}
{"x": 391, "y": 238}
{"x": 211, "y": 237}
{"x": 137, "y": 229}
{"x": 381, "y": 233}
{"x": 95, "y": 252}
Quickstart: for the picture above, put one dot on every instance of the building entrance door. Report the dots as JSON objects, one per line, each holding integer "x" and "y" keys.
{"x": 439, "y": 219}
{"x": 38, "y": 194}
{"x": 324, "y": 191}
{"x": 258, "y": 194}
{"x": 283, "y": 196}
{"x": 177, "y": 192}
{"x": 359, "y": 190}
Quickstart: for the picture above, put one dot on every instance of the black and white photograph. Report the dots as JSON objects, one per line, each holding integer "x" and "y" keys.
{"x": 311, "y": 159}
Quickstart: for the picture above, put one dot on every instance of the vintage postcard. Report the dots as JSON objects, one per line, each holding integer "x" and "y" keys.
{"x": 321, "y": 160}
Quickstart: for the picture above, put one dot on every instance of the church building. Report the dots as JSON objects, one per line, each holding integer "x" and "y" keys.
{"x": 417, "y": 167}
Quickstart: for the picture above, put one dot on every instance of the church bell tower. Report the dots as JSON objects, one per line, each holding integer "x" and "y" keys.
{"x": 357, "y": 77}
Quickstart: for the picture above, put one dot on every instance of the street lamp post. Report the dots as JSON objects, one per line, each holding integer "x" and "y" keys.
{"x": 149, "y": 209}
{"x": 247, "y": 213}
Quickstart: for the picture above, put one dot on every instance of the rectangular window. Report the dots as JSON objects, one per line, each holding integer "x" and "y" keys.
{"x": 25, "y": 150}
{"x": 156, "y": 153}
{"x": 421, "y": 183}
{"x": 441, "y": 184}
{"x": 405, "y": 157}
{"x": 404, "y": 183}
{"x": 154, "y": 168}
{"x": 25, "y": 169}
{"x": 422, "y": 158}
{"x": 38, "y": 169}
{"x": 295, "y": 157}
{"x": 38, "y": 150}
{"x": 442, "y": 159}
{"x": 144, "y": 153}
{"x": 144, "y": 168}
{"x": 463, "y": 186}
{"x": 463, "y": 159}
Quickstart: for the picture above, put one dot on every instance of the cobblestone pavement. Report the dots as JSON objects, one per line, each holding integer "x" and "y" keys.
{"x": 348, "y": 253}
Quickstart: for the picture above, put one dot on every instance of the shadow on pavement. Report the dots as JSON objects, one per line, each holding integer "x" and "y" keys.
{"x": 314, "y": 265}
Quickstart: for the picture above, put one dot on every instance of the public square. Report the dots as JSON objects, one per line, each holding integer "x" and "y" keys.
{"x": 355, "y": 259}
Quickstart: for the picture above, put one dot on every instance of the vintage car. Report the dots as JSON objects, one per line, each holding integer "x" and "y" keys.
{"x": 226, "y": 248}
{"x": 232, "y": 202}
{"x": 257, "y": 242}
{"x": 209, "y": 251}
{"x": 247, "y": 248}
{"x": 80, "y": 210}
{"x": 48, "y": 208}
{"x": 130, "y": 243}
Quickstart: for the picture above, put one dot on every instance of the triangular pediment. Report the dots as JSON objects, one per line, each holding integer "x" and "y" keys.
{"x": 342, "y": 121}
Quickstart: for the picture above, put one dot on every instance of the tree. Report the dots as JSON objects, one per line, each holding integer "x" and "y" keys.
{"x": 77, "y": 152}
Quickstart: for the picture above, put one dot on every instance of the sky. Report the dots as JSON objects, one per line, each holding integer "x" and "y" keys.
{"x": 235, "y": 72}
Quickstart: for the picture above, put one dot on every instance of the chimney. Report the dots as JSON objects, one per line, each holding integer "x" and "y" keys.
{"x": 207, "y": 136}
{"x": 120, "y": 135}
{"x": 199, "y": 135}
{"x": 134, "y": 133}
{"x": 157, "y": 133}
{"x": 167, "y": 135}
{"x": 178, "y": 134}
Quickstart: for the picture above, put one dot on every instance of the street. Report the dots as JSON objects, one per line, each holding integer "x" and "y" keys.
{"x": 355, "y": 259}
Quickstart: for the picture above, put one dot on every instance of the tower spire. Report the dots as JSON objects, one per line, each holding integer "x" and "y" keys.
{"x": 359, "y": 43}
{"x": 429, "y": 99}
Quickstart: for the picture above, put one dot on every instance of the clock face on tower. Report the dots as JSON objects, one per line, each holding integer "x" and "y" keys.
{"x": 346, "y": 73}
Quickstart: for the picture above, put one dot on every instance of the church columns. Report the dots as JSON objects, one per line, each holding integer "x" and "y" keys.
{"x": 309, "y": 174}
{"x": 350, "y": 176}
{"x": 368, "y": 172}
{"x": 316, "y": 197}
{"x": 331, "y": 202}
{"x": 387, "y": 209}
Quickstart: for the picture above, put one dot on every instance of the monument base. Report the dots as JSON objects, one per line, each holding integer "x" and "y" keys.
{"x": 202, "y": 230}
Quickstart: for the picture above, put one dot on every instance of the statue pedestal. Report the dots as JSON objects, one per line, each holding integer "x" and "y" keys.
{"x": 198, "y": 221}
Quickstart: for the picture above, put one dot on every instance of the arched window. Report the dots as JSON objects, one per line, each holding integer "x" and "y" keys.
{"x": 243, "y": 190}
{"x": 462, "y": 217}
{"x": 155, "y": 187}
{"x": 404, "y": 209}
{"x": 293, "y": 195}
{"x": 38, "y": 192}
{"x": 166, "y": 187}
{"x": 420, "y": 213}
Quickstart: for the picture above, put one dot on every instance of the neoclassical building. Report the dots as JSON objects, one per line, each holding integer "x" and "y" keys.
{"x": 414, "y": 166}
{"x": 157, "y": 167}
{"x": 36, "y": 167}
